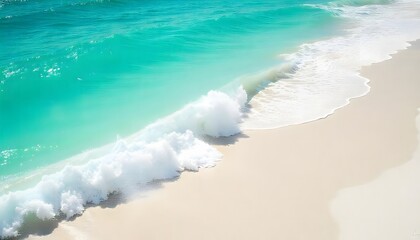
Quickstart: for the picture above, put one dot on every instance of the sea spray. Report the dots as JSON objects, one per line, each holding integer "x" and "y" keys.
{"x": 161, "y": 151}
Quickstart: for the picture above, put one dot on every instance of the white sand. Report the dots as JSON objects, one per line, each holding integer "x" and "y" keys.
{"x": 279, "y": 184}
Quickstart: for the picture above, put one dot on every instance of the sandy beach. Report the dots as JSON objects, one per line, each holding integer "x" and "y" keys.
{"x": 281, "y": 183}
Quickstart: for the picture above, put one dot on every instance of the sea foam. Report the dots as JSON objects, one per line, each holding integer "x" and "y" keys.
{"x": 315, "y": 81}
{"x": 160, "y": 151}
{"x": 323, "y": 76}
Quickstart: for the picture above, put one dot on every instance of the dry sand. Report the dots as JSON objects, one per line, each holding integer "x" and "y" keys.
{"x": 280, "y": 183}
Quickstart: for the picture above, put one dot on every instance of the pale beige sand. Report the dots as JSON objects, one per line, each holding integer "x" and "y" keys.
{"x": 386, "y": 208}
{"x": 279, "y": 184}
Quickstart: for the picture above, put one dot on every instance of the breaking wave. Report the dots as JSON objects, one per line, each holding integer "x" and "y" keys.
{"x": 316, "y": 80}
{"x": 161, "y": 151}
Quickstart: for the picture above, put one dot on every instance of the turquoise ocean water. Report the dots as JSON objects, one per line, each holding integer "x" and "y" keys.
{"x": 98, "y": 97}
{"x": 77, "y": 74}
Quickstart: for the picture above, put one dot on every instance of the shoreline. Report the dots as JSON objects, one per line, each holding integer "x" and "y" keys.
{"x": 277, "y": 183}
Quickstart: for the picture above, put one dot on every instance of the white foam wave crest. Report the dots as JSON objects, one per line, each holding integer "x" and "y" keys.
{"x": 326, "y": 73}
{"x": 161, "y": 151}
{"x": 362, "y": 2}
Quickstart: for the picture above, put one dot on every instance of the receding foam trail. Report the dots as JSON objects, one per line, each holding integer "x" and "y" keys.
{"x": 325, "y": 73}
{"x": 160, "y": 151}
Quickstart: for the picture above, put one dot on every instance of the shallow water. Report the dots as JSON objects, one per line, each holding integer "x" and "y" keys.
{"x": 77, "y": 74}
{"x": 98, "y": 97}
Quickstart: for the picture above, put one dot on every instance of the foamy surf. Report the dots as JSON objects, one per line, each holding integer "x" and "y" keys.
{"x": 323, "y": 76}
{"x": 161, "y": 151}
{"x": 315, "y": 81}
